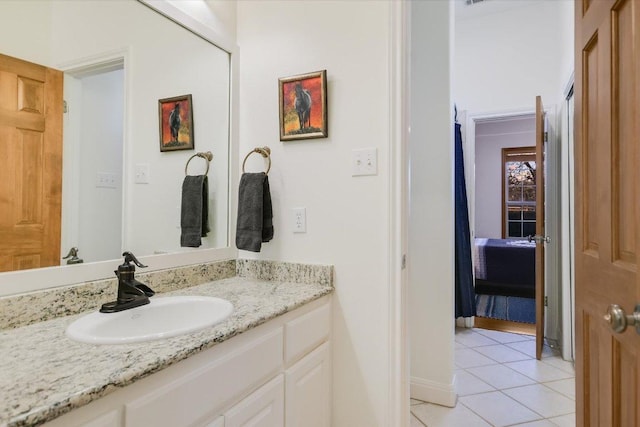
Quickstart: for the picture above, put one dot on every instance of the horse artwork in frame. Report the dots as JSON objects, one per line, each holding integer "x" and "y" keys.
{"x": 303, "y": 106}
{"x": 176, "y": 123}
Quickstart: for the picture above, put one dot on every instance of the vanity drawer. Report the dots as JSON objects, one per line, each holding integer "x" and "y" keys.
{"x": 306, "y": 333}
{"x": 186, "y": 400}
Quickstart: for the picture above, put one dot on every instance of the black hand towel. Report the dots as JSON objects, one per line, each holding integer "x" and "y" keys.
{"x": 255, "y": 213}
{"x": 194, "y": 213}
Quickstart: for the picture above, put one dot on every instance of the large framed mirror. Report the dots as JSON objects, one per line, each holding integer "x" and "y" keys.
{"x": 119, "y": 191}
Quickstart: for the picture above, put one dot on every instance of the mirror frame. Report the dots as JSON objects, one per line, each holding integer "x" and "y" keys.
{"x": 23, "y": 281}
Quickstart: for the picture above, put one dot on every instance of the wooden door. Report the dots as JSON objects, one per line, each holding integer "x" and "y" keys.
{"x": 31, "y": 171}
{"x": 540, "y": 232}
{"x": 607, "y": 237}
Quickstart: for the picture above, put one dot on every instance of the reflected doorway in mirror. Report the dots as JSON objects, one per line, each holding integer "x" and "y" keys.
{"x": 176, "y": 123}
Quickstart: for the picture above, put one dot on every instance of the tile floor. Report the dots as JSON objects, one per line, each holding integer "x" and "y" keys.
{"x": 500, "y": 383}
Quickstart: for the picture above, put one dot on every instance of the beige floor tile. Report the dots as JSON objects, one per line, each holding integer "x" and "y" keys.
{"x": 566, "y": 387}
{"x": 468, "y": 358}
{"x": 500, "y": 376}
{"x": 503, "y": 337}
{"x": 529, "y": 348}
{"x": 541, "y": 423}
{"x": 467, "y": 384}
{"x": 542, "y": 400}
{"x": 560, "y": 363}
{"x": 499, "y": 409}
{"x": 538, "y": 371}
{"x": 473, "y": 339}
{"x": 564, "y": 421}
{"x": 414, "y": 422}
{"x": 501, "y": 353}
{"x": 439, "y": 416}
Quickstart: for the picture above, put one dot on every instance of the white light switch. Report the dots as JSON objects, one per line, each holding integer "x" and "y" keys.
{"x": 299, "y": 220}
{"x": 142, "y": 173}
{"x": 364, "y": 162}
{"x": 106, "y": 180}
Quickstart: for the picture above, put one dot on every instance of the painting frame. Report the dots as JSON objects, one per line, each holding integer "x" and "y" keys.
{"x": 300, "y": 120}
{"x": 172, "y": 137}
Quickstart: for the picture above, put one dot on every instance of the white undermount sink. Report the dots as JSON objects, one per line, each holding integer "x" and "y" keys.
{"x": 163, "y": 317}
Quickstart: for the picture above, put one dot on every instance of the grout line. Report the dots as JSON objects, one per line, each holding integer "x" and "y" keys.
{"x": 536, "y": 381}
{"x": 418, "y": 418}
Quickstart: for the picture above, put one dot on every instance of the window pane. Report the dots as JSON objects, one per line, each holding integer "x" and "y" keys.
{"x": 529, "y": 213}
{"x": 529, "y": 193}
{"x": 515, "y": 193}
{"x": 528, "y": 228}
{"x": 515, "y": 214}
{"x": 514, "y": 229}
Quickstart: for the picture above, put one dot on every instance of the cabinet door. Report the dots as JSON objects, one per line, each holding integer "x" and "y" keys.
{"x": 307, "y": 390}
{"x": 262, "y": 408}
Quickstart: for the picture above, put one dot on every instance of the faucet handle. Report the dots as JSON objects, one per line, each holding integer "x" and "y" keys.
{"x": 129, "y": 257}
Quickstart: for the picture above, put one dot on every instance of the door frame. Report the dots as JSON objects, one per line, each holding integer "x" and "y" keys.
{"x": 552, "y": 255}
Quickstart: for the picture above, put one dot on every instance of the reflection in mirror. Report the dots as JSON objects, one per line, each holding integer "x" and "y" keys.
{"x": 119, "y": 59}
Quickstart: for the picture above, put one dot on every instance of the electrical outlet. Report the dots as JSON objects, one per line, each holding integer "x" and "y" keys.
{"x": 364, "y": 162}
{"x": 142, "y": 173}
{"x": 299, "y": 220}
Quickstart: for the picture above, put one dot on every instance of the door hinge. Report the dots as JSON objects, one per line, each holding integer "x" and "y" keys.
{"x": 546, "y": 136}
{"x": 65, "y": 107}
{"x": 403, "y": 264}
{"x": 546, "y": 301}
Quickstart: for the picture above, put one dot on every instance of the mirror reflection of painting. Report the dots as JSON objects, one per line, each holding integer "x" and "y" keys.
{"x": 176, "y": 123}
{"x": 303, "y": 111}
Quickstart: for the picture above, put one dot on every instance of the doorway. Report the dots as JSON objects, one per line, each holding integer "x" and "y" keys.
{"x": 504, "y": 214}
{"x": 93, "y": 159}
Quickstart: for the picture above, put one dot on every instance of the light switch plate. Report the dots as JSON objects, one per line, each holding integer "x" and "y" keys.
{"x": 364, "y": 162}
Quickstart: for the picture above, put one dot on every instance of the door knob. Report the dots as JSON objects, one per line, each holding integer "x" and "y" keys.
{"x": 538, "y": 239}
{"x": 619, "y": 320}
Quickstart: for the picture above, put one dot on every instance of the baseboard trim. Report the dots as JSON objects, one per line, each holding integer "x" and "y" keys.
{"x": 433, "y": 392}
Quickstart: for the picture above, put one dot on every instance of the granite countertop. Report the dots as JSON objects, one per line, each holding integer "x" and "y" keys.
{"x": 43, "y": 374}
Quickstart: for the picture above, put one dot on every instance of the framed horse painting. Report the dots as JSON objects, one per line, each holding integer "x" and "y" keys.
{"x": 303, "y": 106}
{"x": 176, "y": 123}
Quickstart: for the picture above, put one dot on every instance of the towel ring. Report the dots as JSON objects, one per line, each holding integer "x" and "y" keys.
{"x": 264, "y": 152}
{"x": 208, "y": 156}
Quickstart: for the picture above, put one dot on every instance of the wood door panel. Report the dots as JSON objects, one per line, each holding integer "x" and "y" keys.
{"x": 624, "y": 126}
{"x": 30, "y": 95}
{"x": 625, "y": 393}
{"x": 607, "y": 155}
{"x": 23, "y": 68}
{"x": 29, "y": 178}
{"x": 31, "y": 149}
{"x": 591, "y": 175}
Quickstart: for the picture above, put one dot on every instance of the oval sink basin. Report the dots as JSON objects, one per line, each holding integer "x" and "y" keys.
{"x": 163, "y": 317}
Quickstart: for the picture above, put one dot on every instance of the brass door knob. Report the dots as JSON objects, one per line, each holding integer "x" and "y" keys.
{"x": 619, "y": 320}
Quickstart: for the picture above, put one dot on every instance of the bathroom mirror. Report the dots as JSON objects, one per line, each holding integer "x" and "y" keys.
{"x": 123, "y": 192}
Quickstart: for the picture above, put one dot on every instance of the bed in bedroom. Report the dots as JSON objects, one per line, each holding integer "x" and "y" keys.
{"x": 505, "y": 267}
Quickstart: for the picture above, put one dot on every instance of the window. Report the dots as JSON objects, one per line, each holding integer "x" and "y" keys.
{"x": 519, "y": 192}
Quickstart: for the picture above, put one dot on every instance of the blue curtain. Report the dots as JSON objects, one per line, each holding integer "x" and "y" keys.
{"x": 465, "y": 294}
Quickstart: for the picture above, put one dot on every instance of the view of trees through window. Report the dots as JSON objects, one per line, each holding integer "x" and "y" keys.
{"x": 519, "y": 207}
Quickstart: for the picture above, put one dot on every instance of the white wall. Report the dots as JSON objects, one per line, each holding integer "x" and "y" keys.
{"x": 431, "y": 236}
{"x": 347, "y": 217}
{"x": 491, "y": 138}
{"x": 221, "y": 15}
{"x": 507, "y": 52}
{"x": 100, "y": 208}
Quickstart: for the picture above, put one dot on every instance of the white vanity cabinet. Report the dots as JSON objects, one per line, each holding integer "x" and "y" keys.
{"x": 277, "y": 374}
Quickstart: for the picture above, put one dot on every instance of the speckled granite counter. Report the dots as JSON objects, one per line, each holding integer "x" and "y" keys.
{"x": 43, "y": 374}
